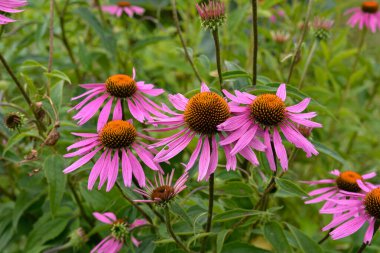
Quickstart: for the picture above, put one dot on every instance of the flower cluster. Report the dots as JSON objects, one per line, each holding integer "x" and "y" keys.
{"x": 352, "y": 201}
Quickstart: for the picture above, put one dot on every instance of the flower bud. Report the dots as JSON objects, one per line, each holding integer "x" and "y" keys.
{"x": 212, "y": 14}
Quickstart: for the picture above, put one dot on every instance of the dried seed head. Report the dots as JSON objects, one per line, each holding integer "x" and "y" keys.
{"x": 14, "y": 120}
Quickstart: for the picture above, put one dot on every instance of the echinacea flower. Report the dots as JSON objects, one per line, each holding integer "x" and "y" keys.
{"x": 268, "y": 113}
{"x": 123, "y": 6}
{"x": 367, "y": 16}
{"x": 212, "y": 14}
{"x": 117, "y": 88}
{"x": 351, "y": 213}
{"x": 10, "y": 6}
{"x": 346, "y": 181}
{"x": 114, "y": 142}
{"x": 201, "y": 114}
{"x": 163, "y": 191}
{"x": 120, "y": 232}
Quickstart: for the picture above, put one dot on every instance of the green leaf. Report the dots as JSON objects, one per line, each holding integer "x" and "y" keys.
{"x": 274, "y": 233}
{"x": 235, "y": 74}
{"x": 237, "y": 189}
{"x": 58, "y": 74}
{"x": 290, "y": 187}
{"x": 239, "y": 247}
{"x": 56, "y": 95}
{"x": 24, "y": 200}
{"x": 53, "y": 167}
{"x": 220, "y": 237}
{"x": 16, "y": 138}
{"x": 45, "y": 231}
{"x": 327, "y": 151}
{"x": 341, "y": 56}
{"x": 305, "y": 243}
{"x": 198, "y": 236}
{"x": 236, "y": 214}
{"x": 106, "y": 36}
{"x": 32, "y": 64}
{"x": 178, "y": 210}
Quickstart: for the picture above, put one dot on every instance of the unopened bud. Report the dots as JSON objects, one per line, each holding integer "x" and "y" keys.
{"x": 212, "y": 14}
{"x": 14, "y": 120}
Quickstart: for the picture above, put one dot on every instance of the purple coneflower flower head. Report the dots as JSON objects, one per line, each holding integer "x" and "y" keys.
{"x": 10, "y": 6}
{"x": 268, "y": 113}
{"x": 280, "y": 37}
{"x": 368, "y": 16}
{"x": 117, "y": 88}
{"x": 200, "y": 115}
{"x": 163, "y": 191}
{"x": 120, "y": 232}
{"x": 322, "y": 28}
{"x": 351, "y": 213}
{"x": 115, "y": 143}
{"x": 123, "y": 6}
{"x": 346, "y": 181}
{"x": 212, "y": 14}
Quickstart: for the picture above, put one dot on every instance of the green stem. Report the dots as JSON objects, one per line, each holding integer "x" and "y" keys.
{"x": 354, "y": 66}
{"x": 51, "y": 45}
{"x": 210, "y": 210}
{"x": 303, "y": 33}
{"x": 326, "y": 236}
{"x": 175, "y": 17}
{"x": 255, "y": 41}
{"x": 171, "y": 232}
{"x": 40, "y": 126}
{"x": 79, "y": 203}
{"x": 215, "y": 35}
{"x": 307, "y": 64}
{"x": 364, "y": 245}
{"x": 143, "y": 213}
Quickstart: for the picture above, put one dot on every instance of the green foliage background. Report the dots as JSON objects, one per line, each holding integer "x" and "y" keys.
{"x": 41, "y": 207}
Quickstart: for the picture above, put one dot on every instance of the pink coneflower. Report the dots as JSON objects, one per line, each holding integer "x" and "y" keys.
{"x": 367, "y": 16}
{"x": 201, "y": 114}
{"x": 280, "y": 37}
{"x": 350, "y": 214}
{"x": 9, "y": 6}
{"x": 119, "y": 88}
{"x": 344, "y": 181}
{"x": 268, "y": 112}
{"x": 116, "y": 138}
{"x": 123, "y": 6}
{"x": 277, "y": 14}
{"x": 163, "y": 191}
{"x": 120, "y": 232}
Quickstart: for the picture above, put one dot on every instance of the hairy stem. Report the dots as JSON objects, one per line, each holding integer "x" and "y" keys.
{"x": 354, "y": 66}
{"x": 40, "y": 126}
{"x": 255, "y": 41}
{"x": 307, "y": 64}
{"x": 215, "y": 35}
{"x": 79, "y": 203}
{"x": 210, "y": 210}
{"x": 171, "y": 232}
{"x": 51, "y": 45}
{"x": 143, "y": 213}
{"x": 326, "y": 236}
{"x": 64, "y": 39}
{"x": 303, "y": 33}
{"x": 364, "y": 245}
{"x": 176, "y": 21}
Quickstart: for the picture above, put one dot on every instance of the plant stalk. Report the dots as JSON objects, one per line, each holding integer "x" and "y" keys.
{"x": 303, "y": 33}
{"x": 364, "y": 245}
{"x": 176, "y": 21}
{"x": 40, "y": 126}
{"x": 307, "y": 64}
{"x": 215, "y": 35}
{"x": 51, "y": 45}
{"x": 255, "y": 41}
{"x": 171, "y": 232}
